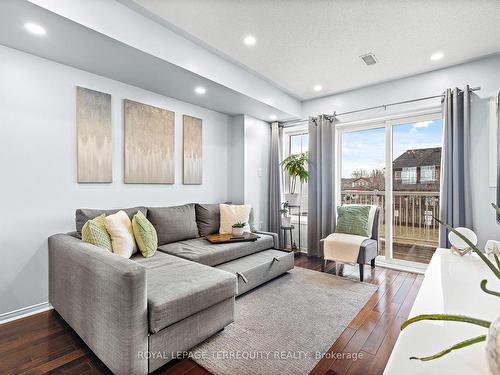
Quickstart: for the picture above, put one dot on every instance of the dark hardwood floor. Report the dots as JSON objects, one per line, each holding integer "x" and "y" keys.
{"x": 44, "y": 343}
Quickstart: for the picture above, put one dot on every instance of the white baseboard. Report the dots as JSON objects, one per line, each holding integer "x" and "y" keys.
{"x": 24, "y": 312}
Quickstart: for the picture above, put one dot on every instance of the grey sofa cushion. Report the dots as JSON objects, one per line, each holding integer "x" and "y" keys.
{"x": 82, "y": 215}
{"x": 201, "y": 251}
{"x": 207, "y": 218}
{"x": 179, "y": 288}
{"x": 174, "y": 223}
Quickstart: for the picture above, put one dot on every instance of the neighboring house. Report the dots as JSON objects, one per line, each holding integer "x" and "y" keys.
{"x": 417, "y": 170}
{"x": 360, "y": 183}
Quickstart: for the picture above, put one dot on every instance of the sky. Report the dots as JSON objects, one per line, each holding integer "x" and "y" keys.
{"x": 365, "y": 149}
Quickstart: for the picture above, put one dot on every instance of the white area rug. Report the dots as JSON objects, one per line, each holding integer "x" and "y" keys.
{"x": 285, "y": 325}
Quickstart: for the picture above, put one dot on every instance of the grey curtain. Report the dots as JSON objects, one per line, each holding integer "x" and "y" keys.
{"x": 456, "y": 200}
{"x": 275, "y": 181}
{"x": 321, "y": 213}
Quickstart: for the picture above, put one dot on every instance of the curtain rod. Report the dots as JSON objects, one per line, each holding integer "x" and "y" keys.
{"x": 288, "y": 124}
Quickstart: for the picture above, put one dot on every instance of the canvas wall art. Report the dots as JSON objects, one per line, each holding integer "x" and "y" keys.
{"x": 93, "y": 134}
{"x": 149, "y": 144}
{"x": 192, "y": 150}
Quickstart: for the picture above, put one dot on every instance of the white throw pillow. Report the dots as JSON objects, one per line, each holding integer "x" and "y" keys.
{"x": 119, "y": 227}
{"x": 231, "y": 214}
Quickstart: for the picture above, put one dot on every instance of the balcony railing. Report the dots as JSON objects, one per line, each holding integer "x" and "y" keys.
{"x": 415, "y": 232}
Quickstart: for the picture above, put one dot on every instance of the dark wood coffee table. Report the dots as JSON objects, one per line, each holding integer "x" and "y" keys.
{"x": 228, "y": 238}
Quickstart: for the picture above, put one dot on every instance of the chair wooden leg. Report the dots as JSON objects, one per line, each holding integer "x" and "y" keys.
{"x": 323, "y": 264}
{"x": 361, "y": 272}
{"x": 372, "y": 263}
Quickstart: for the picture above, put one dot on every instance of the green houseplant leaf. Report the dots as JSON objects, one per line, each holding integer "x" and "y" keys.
{"x": 295, "y": 166}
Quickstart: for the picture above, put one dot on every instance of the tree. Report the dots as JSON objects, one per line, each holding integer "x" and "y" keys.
{"x": 360, "y": 172}
{"x": 377, "y": 177}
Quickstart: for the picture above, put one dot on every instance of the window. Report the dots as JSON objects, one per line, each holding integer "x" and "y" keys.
{"x": 409, "y": 175}
{"x": 297, "y": 142}
{"x": 397, "y": 175}
{"x": 428, "y": 173}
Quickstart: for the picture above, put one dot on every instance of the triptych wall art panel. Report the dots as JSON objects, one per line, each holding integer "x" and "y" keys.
{"x": 149, "y": 144}
{"x": 93, "y": 135}
{"x": 192, "y": 148}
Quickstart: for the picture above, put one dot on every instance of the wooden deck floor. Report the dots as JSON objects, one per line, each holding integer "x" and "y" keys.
{"x": 44, "y": 343}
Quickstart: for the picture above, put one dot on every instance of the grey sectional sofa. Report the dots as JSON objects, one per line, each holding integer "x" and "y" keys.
{"x": 137, "y": 314}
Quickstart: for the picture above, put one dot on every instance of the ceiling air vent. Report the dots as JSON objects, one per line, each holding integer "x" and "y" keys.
{"x": 369, "y": 59}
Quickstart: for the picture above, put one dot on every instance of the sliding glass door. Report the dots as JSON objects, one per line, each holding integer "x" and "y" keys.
{"x": 395, "y": 163}
{"x": 363, "y": 170}
{"x": 416, "y": 163}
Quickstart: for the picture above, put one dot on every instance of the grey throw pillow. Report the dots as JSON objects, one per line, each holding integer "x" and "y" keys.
{"x": 82, "y": 215}
{"x": 174, "y": 223}
{"x": 207, "y": 218}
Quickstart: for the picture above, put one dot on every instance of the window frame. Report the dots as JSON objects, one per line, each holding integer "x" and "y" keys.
{"x": 432, "y": 179}
{"x": 410, "y": 178}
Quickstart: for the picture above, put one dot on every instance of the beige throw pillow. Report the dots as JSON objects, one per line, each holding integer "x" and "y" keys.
{"x": 231, "y": 214}
{"x": 120, "y": 230}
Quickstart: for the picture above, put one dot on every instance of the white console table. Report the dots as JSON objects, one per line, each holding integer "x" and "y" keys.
{"x": 451, "y": 285}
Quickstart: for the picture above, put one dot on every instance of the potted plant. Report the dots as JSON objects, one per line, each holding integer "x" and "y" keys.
{"x": 295, "y": 166}
{"x": 239, "y": 229}
{"x": 492, "y": 336}
{"x": 286, "y": 220}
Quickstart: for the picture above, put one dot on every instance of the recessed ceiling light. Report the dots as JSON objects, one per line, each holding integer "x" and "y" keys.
{"x": 317, "y": 88}
{"x": 272, "y": 117}
{"x": 249, "y": 40}
{"x": 200, "y": 90}
{"x": 437, "y": 56}
{"x": 35, "y": 28}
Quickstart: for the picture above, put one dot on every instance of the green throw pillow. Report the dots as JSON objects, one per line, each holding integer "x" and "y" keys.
{"x": 145, "y": 235}
{"x": 94, "y": 232}
{"x": 353, "y": 220}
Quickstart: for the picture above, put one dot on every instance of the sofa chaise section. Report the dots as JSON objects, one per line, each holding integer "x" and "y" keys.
{"x": 201, "y": 251}
{"x": 179, "y": 288}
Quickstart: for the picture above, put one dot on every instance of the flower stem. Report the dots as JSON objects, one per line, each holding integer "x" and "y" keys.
{"x": 448, "y": 317}
{"x": 489, "y": 291}
{"x": 460, "y": 345}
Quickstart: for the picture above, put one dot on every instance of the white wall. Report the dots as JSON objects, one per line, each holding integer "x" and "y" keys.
{"x": 257, "y": 138}
{"x": 484, "y": 73}
{"x": 39, "y": 193}
{"x": 236, "y": 160}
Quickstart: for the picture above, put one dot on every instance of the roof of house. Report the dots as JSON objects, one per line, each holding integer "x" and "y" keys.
{"x": 347, "y": 183}
{"x": 418, "y": 157}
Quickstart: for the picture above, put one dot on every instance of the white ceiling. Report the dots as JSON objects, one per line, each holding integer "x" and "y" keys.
{"x": 73, "y": 44}
{"x": 304, "y": 43}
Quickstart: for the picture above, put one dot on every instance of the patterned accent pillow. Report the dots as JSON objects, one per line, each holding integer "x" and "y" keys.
{"x": 94, "y": 232}
{"x": 145, "y": 235}
{"x": 353, "y": 220}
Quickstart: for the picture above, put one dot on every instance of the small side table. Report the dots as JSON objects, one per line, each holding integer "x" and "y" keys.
{"x": 287, "y": 228}
{"x": 298, "y": 208}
